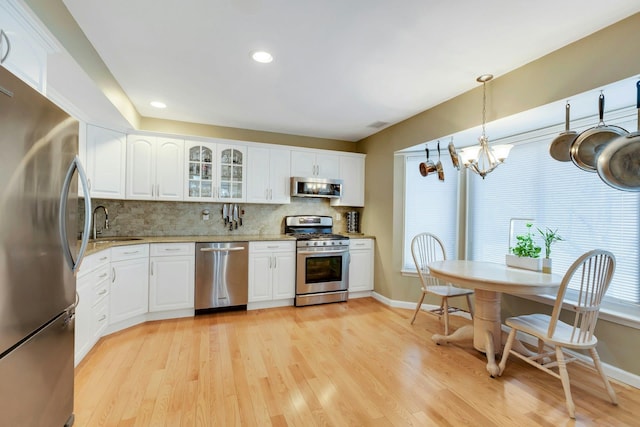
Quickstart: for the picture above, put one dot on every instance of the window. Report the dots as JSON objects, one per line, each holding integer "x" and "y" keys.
{"x": 431, "y": 205}
{"x": 587, "y": 213}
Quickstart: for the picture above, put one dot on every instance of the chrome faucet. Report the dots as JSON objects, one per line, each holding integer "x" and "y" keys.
{"x": 106, "y": 221}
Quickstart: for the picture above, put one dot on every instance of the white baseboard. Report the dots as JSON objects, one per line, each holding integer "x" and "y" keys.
{"x": 613, "y": 372}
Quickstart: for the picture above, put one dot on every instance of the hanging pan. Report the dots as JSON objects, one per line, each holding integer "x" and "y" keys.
{"x": 618, "y": 163}
{"x": 588, "y": 143}
{"x": 427, "y": 167}
{"x": 454, "y": 155}
{"x": 439, "y": 167}
{"x": 561, "y": 145}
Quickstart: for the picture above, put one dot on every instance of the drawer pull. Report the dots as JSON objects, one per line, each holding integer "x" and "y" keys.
{"x": 104, "y": 258}
{"x": 172, "y": 249}
{"x": 102, "y": 292}
{"x": 130, "y": 252}
{"x": 102, "y": 318}
{"x": 103, "y": 275}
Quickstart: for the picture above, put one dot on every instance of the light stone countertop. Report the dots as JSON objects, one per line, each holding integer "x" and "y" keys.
{"x": 109, "y": 242}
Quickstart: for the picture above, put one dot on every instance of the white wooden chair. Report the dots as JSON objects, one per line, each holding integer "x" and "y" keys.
{"x": 426, "y": 248}
{"x": 591, "y": 274}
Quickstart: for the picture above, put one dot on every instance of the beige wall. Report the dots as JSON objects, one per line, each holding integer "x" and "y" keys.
{"x": 602, "y": 58}
{"x": 196, "y": 129}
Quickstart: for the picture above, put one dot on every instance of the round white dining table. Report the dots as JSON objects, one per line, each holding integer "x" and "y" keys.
{"x": 489, "y": 280}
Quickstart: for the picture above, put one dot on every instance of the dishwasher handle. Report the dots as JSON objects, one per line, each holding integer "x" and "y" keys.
{"x": 221, "y": 249}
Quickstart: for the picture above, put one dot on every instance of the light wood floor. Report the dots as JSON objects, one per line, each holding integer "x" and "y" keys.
{"x": 358, "y": 363}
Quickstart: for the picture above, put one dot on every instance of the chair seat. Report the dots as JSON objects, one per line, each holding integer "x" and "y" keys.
{"x": 538, "y": 326}
{"x": 448, "y": 290}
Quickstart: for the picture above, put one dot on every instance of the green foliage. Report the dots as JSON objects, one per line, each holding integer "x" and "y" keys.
{"x": 525, "y": 246}
{"x": 549, "y": 237}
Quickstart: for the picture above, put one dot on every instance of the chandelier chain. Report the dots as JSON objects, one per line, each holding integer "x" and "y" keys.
{"x": 484, "y": 107}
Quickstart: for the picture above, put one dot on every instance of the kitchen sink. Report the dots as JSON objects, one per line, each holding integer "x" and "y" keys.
{"x": 104, "y": 240}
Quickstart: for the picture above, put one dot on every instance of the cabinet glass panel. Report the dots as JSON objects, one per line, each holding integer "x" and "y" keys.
{"x": 194, "y": 154}
{"x": 237, "y": 157}
{"x": 206, "y": 189}
{"x": 236, "y": 190}
{"x": 206, "y": 155}
{"x": 194, "y": 170}
{"x": 226, "y": 156}
{"x": 225, "y": 190}
{"x": 194, "y": 188}
{"x": 225, "y": 172}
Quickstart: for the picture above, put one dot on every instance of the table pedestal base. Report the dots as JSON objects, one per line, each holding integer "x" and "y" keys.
{"x": 486, "y": 331}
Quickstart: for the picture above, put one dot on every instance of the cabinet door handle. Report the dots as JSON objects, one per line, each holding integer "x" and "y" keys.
{"x": 151, "y": 265}
{"x": 4, "y": 35}
{"x": 275, "y": 262}
{"x": 89, "y": 183}
{"x": 152, "y": 190}
{"x": 270, "y": 194}
{"x": 113, "y": 277}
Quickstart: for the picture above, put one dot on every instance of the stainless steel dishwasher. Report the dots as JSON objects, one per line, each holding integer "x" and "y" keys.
{"x": 222, "y": 276}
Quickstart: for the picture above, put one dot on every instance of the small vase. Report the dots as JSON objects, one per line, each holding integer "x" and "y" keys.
{"x": 546, "y": 265}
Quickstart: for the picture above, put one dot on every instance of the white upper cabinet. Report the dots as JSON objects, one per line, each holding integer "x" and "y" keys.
{"x": 23, "y": 51}
{"x": 314, "y": 164}
{"x": 352, "y": 175}
{"x": 215, "y": 172}
{"x": 154, "y": 168}
{"x": 268, "y": 177}
{"x": 200, "y": 182}
{"x": 106, "y": 159}
{"x": 232, "y": 169}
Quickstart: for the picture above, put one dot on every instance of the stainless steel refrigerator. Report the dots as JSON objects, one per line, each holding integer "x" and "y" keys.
{"x": 38, "y": 256}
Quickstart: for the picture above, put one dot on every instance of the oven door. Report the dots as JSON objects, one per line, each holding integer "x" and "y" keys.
{"x": 322, "y": 270}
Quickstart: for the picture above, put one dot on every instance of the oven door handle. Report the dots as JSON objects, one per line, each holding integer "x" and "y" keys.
{"x": 339, "y": 251}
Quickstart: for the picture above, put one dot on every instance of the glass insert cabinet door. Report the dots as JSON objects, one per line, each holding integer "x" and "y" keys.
{"x": 200, "y": 171}
{"x": 232, "y": 162}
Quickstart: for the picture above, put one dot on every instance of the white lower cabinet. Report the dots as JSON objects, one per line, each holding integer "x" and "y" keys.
{"x": 361, "y": 252}
{"x": 91, "y": 312}
{"x": 129, "y": 282}
{"x": 272, "y": 270}
{"x": 171, "y": 280}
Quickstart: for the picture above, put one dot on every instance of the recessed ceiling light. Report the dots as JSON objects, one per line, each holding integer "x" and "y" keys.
{"x": 262, "y": 56}
{"x": 158, "y": 104}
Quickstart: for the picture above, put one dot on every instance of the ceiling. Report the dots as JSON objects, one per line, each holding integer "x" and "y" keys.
{"x": 339, "y": 66}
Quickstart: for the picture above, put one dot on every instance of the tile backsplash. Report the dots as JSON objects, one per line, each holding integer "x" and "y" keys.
{"x": 144, "y": 218}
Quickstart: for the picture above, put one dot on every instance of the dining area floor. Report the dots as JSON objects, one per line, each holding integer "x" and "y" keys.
{"x": 358, "y": 363}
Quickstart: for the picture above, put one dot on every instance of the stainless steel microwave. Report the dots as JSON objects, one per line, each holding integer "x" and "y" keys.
{"x": 316, "y": 187}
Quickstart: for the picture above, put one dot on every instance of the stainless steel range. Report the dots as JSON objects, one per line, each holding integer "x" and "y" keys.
{"x": 322, "y": 264}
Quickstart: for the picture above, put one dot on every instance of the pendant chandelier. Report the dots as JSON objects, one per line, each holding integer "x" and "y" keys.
{"x": 484, "y": 158}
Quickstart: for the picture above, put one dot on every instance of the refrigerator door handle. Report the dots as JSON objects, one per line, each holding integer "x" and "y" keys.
{"x": 62, "y": 214}
{"x": 3, "y": 35}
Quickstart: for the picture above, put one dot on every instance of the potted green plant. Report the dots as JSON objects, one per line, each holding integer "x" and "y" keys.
{"x": 526, "y": 253}
{"x": 549, "y": 236}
